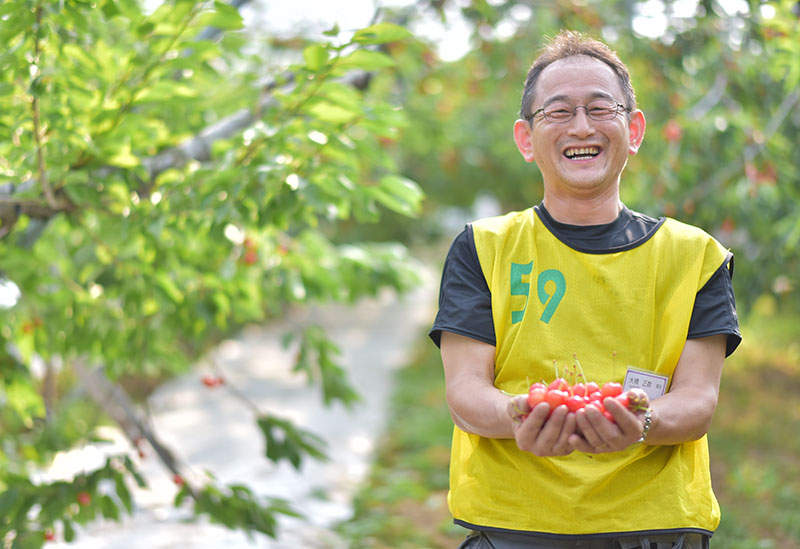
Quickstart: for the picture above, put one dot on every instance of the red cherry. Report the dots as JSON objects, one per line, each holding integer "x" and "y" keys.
{"x": 591, "y": 387}
{"x": 250, "y": 256}
{"x": 611, "y": 389}
{"x": 535, "y": 396}
{"x": 579, "y": 389}
{"x": 728, "y": 225}
{"x": 673, "y": 131}
{"x": 84, "y": 498}
{"x": 576, "y": 402}
{"x": 177, "y": 479}
{"x": 560, "y": 384}
{"x": 597, "y": 405}
{"x": 49, "y": 535}
{"x": 555, "y": 398}
{"x": 595, "y": 396}
{"x": 212, "y": 381}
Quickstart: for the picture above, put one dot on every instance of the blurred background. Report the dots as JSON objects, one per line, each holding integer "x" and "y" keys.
{"x": 184, "y": 178}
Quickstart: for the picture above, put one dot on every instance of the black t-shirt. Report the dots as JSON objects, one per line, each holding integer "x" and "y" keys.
{"x": 465, "y": 301}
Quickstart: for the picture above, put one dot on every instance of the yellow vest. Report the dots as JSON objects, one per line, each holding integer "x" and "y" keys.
{"x": 611, "y": 310}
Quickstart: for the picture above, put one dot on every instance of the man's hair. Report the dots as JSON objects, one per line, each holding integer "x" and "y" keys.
{"x": 568, "y": 44}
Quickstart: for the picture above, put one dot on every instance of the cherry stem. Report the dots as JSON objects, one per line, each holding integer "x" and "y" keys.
{"x": 575, "y": 358}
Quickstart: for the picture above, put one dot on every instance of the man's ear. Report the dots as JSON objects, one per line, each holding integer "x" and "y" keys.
{"x": 522, "y": 137}
{"x": 636, "y": 127}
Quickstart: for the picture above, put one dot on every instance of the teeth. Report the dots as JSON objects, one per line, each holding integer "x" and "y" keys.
{"x": 585, "y": 151}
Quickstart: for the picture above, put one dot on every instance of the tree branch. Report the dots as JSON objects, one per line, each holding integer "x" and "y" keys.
{"x": 117, "y": 404}
{"x": 37, "y": 126}
{"x": 710, "y": 99}
{"x": 752, "y": 150}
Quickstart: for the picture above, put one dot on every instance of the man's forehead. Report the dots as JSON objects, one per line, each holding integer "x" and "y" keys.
{"x": 578, "y": 59}
{"x": 578, "y": 73}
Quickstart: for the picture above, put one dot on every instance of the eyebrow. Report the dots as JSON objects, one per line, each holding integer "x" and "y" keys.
{"x": 568, "y": 99}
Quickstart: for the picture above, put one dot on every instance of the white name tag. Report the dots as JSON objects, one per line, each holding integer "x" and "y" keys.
{"x": 653, "y": 384}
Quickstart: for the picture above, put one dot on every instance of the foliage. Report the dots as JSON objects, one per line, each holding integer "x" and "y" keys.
{"x": 720, "y": 92}
{"x": 76, "y": 502}
{"x": 159, "y": 190}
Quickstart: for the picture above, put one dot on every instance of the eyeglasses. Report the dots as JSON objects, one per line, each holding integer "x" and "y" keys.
{"x": 561, "y": 113}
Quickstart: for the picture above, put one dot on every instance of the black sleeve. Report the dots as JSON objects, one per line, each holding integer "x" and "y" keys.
{"x": 715, "y": 309}
{"x": 465, "y": 302}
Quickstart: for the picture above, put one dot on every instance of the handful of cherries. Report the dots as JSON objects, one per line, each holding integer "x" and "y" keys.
{"x": 581, "y": 395}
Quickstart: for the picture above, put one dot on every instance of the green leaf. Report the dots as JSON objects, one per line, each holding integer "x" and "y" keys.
{"x": 399, "y": 194}
{"x": 367, "y": 60}
{"x": 123, "y": 493}
{"x": 181, "y": 496}
{"x": 334, "y": 31}
{"x": 108, "y": 508}
{"x": 123, "y": 157}
{"x": 69, "y": 530}
{"x": 145, "y": 28}
{"x": 110, "y": 9}
{"x": 24, "y": 400}
{"x": 286, "y": 441}
{"x": 380, "y": 33}
{"x": 223, "y": 17}
{"x": 329, "y": 112}
{"x": 128, "y": 463}
{"x": 315, "y": 358}
{"x": 166, "y": 283}
{"x": 315, "y": 57}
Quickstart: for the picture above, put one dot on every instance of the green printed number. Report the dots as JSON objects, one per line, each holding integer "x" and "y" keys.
{"x": 518, "y": 287}
{"x": 551, "y": 300}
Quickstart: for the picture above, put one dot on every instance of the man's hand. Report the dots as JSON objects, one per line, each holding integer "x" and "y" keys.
{"x": 596, "y": 434}
{"x": 538, "y": 434}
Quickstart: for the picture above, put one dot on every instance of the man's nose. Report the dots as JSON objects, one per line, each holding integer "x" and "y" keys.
{"x": 581, "y": 124}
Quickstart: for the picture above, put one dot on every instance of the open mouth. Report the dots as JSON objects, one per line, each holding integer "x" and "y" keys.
{"x": 582, "y": 153}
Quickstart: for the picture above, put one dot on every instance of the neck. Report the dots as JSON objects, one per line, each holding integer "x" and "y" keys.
{"x": 595, "y": 210}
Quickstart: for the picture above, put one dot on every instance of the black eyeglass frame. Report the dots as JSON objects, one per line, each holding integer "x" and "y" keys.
{"x": 620, "y": 108}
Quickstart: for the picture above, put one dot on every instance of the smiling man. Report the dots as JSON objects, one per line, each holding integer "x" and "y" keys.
{"x": 641, "y": 301}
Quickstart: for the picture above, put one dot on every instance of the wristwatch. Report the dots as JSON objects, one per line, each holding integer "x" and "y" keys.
{"x": 648, "y": 418}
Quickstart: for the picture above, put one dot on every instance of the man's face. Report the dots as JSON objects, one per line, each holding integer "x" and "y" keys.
{"x": 582, "y": 157}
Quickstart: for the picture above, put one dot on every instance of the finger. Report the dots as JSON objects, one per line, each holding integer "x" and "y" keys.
{"x": 518, "y": 408}
{"x": 626, "y": 421}
{"x": 550, "y": 436}
{"x": 527, "y": 431}
{"x": 587, "y": 426}
{"x": 580, "y": 444}
{"x": 563, "y": 446}
{"x": 539, "y": 433}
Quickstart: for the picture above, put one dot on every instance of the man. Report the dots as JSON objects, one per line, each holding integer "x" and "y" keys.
{"x": 641, "y": 301}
